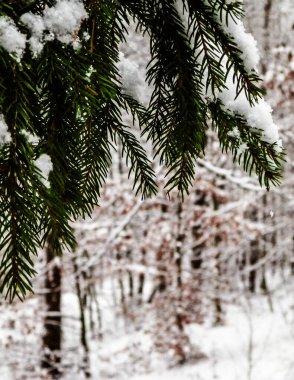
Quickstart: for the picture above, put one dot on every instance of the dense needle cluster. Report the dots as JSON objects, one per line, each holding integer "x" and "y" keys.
{"x": 62, "y": 99}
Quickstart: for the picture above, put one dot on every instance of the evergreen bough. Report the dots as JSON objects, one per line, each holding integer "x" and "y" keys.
{"x": 73, "y": 100}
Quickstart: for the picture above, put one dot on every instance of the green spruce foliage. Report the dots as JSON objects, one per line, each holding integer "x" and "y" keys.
{"x": 72, "y": 100}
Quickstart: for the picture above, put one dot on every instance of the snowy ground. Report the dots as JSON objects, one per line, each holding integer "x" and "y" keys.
{"x": 255, "y": 343}
{"x": 255, "y": 347}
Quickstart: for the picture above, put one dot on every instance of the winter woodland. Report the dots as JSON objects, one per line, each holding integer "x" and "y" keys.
{"x": 160, "y": 288}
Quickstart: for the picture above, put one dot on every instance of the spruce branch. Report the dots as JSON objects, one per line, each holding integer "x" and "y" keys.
{"x": 71, "y": 101}
{"x": 247, "y": 146}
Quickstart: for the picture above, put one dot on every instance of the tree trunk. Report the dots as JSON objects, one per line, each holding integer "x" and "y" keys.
{"x": 81, "y": 299}
{"x": 218, "y": 320}
{"x": 142, "y": 277}
{"x": 267, "y": 40}
{"x": 52, "y": 323}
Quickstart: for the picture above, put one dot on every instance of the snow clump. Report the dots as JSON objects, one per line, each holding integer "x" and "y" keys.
{"x": 245, "y": 41}
{"x": 5, "y": 136}
{"x": 258, "y": 116}
{"x": 11, "y": 39}
{"x": 62, "y": 21}
{"x": 132, "y": 80}
{"x": 32, "y": 138}
{"x": 44, "y": 164}
{"x": 36, "y": 25}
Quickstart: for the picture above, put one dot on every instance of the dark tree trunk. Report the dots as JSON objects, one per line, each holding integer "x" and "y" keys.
{"x": 254, "y": 256}
{"x": 131, "y": 284}
{"x": 219, "y": 314}
{"x": 52, "y": 323}
{"x": 267, "y": 42}
{"x": 82, "y": 304}
{"x": 255, "y": 253}
{"x": 178, "y": 261}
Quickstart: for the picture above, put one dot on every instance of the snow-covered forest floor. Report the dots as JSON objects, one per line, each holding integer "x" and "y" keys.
{"x": 232, "y": 326}
{"x": 256, "y": 341}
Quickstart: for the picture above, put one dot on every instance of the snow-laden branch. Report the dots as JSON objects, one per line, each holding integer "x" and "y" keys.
{"x": 243, "y": 182}
{"x": 112, "y": 238}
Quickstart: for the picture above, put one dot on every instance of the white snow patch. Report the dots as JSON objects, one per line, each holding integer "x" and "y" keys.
{"x": 33, "y": 139}
{"x": 5, "y": 136}
{"x": 35, "y": 24}
{"x": 11, "y": 39}
{"x": 64, "y": 19}
{"x": 254, "y": 344}
{"x": 44, "y": 163}
{"x": 244, "y": 40}
{"x": 258, "y": 116}
{"x": 132, "y": 80}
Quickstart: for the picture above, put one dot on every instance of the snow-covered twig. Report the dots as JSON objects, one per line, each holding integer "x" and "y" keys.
{"x": 243, "y": 182}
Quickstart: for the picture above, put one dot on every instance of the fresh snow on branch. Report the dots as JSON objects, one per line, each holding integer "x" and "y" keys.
{"x": 132, "y": 80}
{"x": 243, "y": 182}
{"x": 258, "y": 116}
{"x": 36, "y": 25}
{"x": 33, "y": 139}
{"x": 44, "y": 164}
{"x": 62, "y": 21}
{"x": 4, "y": 133}
{"x": 11, "y": 39}
{"x": 245, "y": 41}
